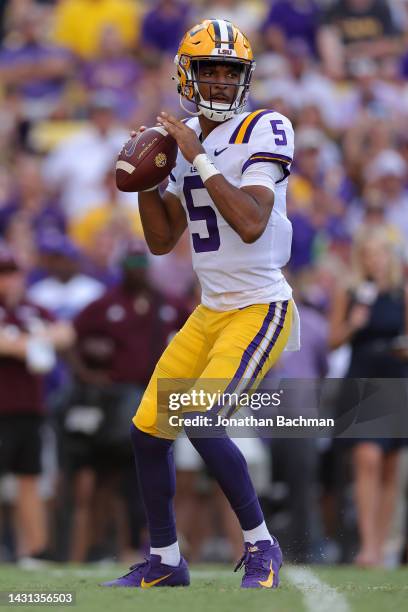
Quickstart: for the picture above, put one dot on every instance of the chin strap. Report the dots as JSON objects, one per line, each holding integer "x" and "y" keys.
{"x": 236, "y": 111}
{"x": 192, "y": 113}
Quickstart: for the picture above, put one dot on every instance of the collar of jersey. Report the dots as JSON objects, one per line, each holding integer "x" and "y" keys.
{"x": 197, "y": 127}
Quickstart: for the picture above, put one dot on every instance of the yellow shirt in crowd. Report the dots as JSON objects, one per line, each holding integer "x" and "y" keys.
{"x": 80, "y": 23}
{"x": 85, "y": 229}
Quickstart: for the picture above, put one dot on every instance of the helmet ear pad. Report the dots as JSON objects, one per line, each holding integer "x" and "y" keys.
{"x": 184, "y": 76}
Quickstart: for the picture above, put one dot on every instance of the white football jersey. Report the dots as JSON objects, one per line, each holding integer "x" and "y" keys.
{"x": 234, "y": 274}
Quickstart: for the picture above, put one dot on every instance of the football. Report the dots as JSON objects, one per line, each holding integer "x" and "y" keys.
{"x": 146, "y": 160}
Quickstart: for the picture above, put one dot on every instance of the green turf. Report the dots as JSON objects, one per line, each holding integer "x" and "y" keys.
{"x": 370, "y": 590}
{"x": 214, "y": 588}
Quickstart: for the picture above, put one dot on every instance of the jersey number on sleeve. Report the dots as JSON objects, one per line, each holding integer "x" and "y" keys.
{"x": 201, "y": 213}
{"x": 279, "y": 132}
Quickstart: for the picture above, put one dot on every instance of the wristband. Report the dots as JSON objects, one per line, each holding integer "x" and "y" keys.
{"x": 205, "y": 167}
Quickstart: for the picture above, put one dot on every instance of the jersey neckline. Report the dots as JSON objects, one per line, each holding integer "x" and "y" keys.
{"x": 197, "y": 127}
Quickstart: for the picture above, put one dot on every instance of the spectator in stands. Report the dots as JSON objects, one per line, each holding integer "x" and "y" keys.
{"x": 388, "y": 174}
{"x": 30, "y": 203}
{"x": 121, "y": 218}
{"x": 295, "y": 77}
{"x": 163, "y": 27}
{"x": 64, "y": 290}
{"x": 34, "y": 67}
{"x": 371, "y": 94}
{"x": 375, "y": 216}
{"x": 80, "y": 23}
{"x": 247, "y": 16}
{"x": 315, "y": 206}
{"x": 29, "y": 335}
{"x": 172, "y": 274}
{"x": 365, "y": 137}
{"x": 369, "y": 312}
{"x": 120, "y": 336}
{"x": 76, "y": 168}
{"x": 28, "y": 211}
{"x": 289, "y": 21}
{"x": 353, "y": 29}
{"x": 114, "y": 70}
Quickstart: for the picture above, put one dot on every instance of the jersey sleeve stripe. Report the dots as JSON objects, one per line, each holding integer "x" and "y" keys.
{"x": 253, "y": 123}
{"x": 267, "y": 157}
{"x": 240, "y": 130}
{"x": 243, "y": 132}
{"x": 172, "y": 177}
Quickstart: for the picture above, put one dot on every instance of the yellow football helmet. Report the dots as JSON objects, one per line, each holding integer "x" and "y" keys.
{"x": 213, "y": 40}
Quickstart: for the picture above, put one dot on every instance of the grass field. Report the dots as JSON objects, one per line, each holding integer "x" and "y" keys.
{"x": 317, "y": 589}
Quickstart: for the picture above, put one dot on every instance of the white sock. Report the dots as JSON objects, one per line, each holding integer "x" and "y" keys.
{"x": 170, "y": 555}
{"x": 259, "y": 533}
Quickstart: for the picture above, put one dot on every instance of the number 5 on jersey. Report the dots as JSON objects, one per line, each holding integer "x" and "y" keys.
{"x": 201, "y": 213}
{"x": 279, "y": 132}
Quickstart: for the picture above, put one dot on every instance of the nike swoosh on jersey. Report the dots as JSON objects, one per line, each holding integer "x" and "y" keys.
{"x": 147, "y": 585}
{"x": 269, "y": 581}
{"x": 216, "y": 153}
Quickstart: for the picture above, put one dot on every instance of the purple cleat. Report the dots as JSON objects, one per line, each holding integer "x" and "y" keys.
{"x": 152, "y": 572}
{"x": 262, "y": 562}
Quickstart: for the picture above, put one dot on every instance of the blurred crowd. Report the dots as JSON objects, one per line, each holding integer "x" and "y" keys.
{"x": 85, "y": 311}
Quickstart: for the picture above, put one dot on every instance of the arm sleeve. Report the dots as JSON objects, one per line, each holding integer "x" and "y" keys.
{"x": 263, "y": 174}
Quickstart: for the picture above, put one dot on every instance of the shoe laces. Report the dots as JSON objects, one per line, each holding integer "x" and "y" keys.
{"x": 252, "y": 560}
{"x": 137, "y": 567}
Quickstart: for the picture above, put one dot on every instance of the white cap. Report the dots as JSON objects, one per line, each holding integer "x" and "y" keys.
{"x": 309, "y": 138}
{"x": 386, "y": 163}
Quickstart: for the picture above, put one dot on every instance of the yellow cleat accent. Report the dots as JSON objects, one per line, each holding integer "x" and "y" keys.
{"x": 268, "y": 583}
{"x": 147, "y": 585}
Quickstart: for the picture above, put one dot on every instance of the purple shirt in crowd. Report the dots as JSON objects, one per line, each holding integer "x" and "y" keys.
{"x": 49, "y": 217}
{"x": 296, "y": 18}
{"x": 33, "y": 53}
{"x": 163, "y": 29}
{"x": 118, "y": 75}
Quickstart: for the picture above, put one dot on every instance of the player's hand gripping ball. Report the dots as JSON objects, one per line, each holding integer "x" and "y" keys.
{"x": 146, "y": 159}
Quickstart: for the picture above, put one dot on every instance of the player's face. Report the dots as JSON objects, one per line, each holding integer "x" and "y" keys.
{"x": 218, "y": 81}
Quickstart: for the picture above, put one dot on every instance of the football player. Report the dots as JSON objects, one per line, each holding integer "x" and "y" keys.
{"x": 229, "y": 188}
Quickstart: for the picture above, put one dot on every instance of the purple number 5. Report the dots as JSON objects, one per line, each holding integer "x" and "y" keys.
{"x": 201, "y": 213}
{"x": 281, "y": 136}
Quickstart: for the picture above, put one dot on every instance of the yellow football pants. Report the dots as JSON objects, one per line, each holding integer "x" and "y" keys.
{"x": 233, "y": 346}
